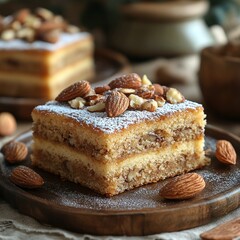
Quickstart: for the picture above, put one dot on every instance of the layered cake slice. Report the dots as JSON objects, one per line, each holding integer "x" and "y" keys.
{"x": 118, "y": 136}
{"x": 41, "y": 54}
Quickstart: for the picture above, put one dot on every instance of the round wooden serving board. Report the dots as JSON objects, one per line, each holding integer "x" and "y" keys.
{"x": 137, "y": 212}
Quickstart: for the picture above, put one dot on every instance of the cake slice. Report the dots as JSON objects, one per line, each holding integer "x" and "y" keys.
{"x": 41, "y": 54}
{"x": 117, "y": 140}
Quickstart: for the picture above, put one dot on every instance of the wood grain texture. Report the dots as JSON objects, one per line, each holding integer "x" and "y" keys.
{"x": 140, "y": 211}
{"x": 226, "y": 231}
{"x": 218, "y": 80}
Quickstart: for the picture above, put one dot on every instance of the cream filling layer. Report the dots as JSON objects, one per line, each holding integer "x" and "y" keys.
{"x": 169, "y": 153}
{"x": 58, "y": 78}
{"x": 46, "y": 57}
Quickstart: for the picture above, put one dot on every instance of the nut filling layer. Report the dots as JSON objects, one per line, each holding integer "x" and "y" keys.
{"x": 141, "y": 143}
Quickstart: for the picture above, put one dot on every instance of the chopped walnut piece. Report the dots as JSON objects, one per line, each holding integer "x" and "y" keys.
{"x": 99, "y": 107}
{"x": 77, "y": 103}
{"x": 149, "y": 105}
{"x": 135, "y": 101}
{"x": 174, "y": 96}
{"x": 145, "y": 80}
{"x": 160, "y": 100}
{"x": 145, "y": 91}
{"x": 127, "y": 91}
{"x": 8, "y": 35}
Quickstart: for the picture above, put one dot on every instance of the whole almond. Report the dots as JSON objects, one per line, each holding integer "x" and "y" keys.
{"x": 15, "y": 152}
{"x": 228, "y": 230}
{"x": 131, "y": 80}
{"x": 22, "y": 15}
{"x": 225, "y": 152}
{"x": 116, "y": 104}
{"x": 50, "y": 36}
{"x": 44, "y": 13}
{"x": 8, "y": 124}
{"x": 5, "y": 146}
{"x": 101, "y": 89}
{"x": 49, "y": 26}
{"x": 183, "y": 187}
{"x": 25, "y": 177}
{"x": 78, "y": 89}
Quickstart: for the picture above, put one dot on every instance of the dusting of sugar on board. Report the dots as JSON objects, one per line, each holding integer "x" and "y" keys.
{"x": 65, "y": 39}
{"x": 221, "y": 181}
{"x": 85, "y": 199}
{"x": 100, "y": 121}
{"x": 219, "y": 178}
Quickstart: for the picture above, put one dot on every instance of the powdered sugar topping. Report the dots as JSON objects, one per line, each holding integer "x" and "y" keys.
{"x": 65, "y": 39}
{"x": 101, "y": 122}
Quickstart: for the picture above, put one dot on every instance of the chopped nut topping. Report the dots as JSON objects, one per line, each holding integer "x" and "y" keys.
{"x": 39, "y": 25}
{"x": 158, "y": 89}
{"x": 135, "y": 101}
{"x": 145, "y": 80}
{"x": 174, "y": 96}
{"x": 94, "y": 99}
{"x": 160, "y": 100}
{"x": 77, "y": 103}
{"x": 43, "y": 13}
{"x": 99, "y": 107}
{"x": 127, "y": 91}
{"x": 150, "y": 105}
{"x": 8, "y": 35}
{"x": 145, "y": 91}
{"x": 117, "y": 98}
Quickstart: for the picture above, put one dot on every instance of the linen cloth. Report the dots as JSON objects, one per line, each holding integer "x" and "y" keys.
{"x": 15, "y": 226}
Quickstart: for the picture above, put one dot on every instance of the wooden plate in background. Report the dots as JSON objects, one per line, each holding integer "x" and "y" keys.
{"x": 140, "y": 211}
{"x": 108, "y": 63}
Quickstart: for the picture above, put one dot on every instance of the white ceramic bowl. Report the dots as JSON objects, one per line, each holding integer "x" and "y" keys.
{"x": 161, "y": 29}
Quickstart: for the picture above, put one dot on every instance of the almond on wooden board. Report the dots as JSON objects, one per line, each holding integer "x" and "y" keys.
{"x": 116, "y": 104}
{"x": 225, "y": 152}
{"x": 78, "y": 89}
{"x": 8, "y": 124}
{"x": 25, "y": 177}
{"x": 226, "y": 231}
{"x": 15, "y": 152}
{"x": 183, "y": 187}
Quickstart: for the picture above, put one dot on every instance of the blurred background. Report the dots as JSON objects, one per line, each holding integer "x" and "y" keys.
{"x": 163, "y": 39}
{"x": 115, "y": 23}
